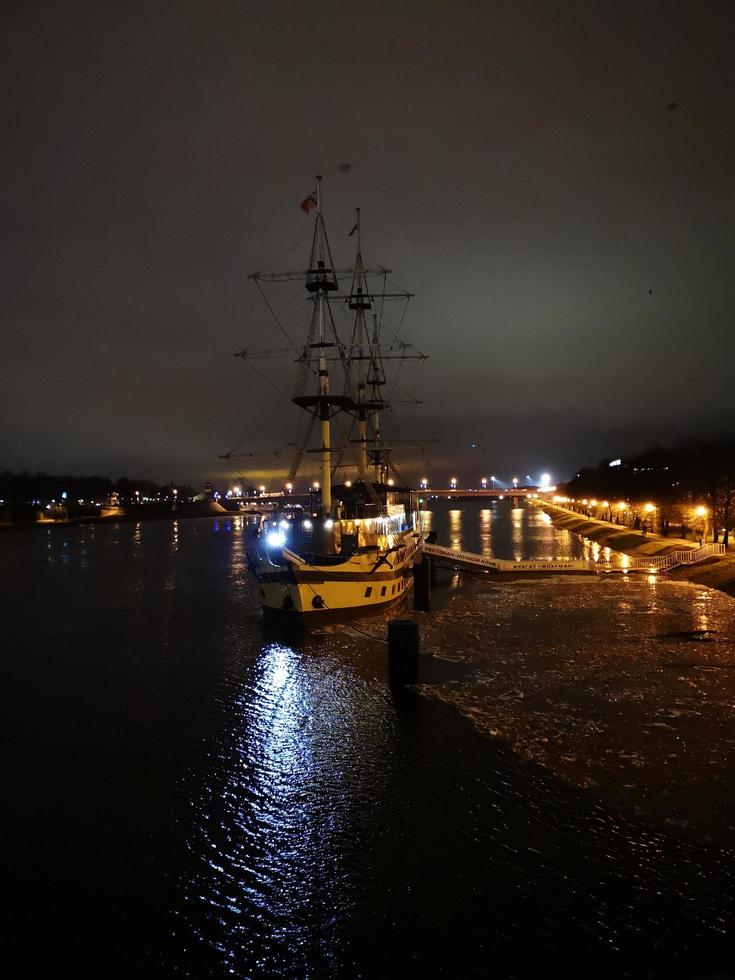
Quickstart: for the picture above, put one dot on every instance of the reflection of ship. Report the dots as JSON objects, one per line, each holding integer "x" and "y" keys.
{"x": 357, "y": 552}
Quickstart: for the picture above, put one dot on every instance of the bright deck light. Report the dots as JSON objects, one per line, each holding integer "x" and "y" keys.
{"x": 276, "y": 539}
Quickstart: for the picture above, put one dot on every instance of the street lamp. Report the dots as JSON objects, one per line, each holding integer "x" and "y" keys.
{"x": 483, "y": 481}
{"x": 453, "y": 483}
{"x": 493, "y": 479}
{"x": 702, "y": 512}
{"x": 515, "y": 481}
{"x": 424, "y": 483}
{"x": 289, "y": 487}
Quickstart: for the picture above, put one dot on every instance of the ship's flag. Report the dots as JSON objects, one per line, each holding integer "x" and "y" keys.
{"x": 308, "y": 203}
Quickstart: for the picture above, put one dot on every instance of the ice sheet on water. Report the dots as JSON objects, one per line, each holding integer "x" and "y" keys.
{"x": 573, "y": 674}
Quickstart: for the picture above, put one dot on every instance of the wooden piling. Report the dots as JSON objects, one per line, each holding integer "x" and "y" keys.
{"x": 422, "y": 583}
{"x": 403, "y": 652}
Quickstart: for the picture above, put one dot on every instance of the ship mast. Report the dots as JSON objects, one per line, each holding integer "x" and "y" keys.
{"x": 359, "y": 301}
{"x": 321, "y": 281}
{"x": 323, "y": 285}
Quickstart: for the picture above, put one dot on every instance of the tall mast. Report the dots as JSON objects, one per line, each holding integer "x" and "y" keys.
{"x": 321, "y": 280}
{"x": 322, "y": 287}
{"x": 359, "y": 301}
{"x": 376, "y": 381}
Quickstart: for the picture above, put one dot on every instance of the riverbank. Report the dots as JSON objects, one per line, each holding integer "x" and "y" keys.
{"x": 717, "y": 573}
{"x": 143, "y": 512}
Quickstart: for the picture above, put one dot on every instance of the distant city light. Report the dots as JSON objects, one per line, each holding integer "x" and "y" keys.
{"x": 615, "y": 462}
{"x": 329, "y": 524}
{"x": 307, "y": 525}
{"x": 391, "y": 481}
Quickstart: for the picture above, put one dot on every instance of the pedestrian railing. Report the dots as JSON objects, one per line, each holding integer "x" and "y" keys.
{"x": 662, "y": 563}
{"x": 621, "y": 562}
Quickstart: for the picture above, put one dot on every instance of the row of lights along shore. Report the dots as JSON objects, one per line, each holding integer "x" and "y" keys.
{"x": 453, "y": 484}
{"x": 699, "y": 510}
{"x": 618, "y": 510}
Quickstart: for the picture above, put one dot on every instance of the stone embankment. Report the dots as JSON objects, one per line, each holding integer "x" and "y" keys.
{"x": 719, "y": 573}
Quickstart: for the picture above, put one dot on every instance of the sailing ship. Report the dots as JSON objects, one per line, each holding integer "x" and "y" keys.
{"x": 355, "y": 551}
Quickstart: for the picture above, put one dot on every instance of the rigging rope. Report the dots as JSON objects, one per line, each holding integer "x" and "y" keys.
{"x": 265, "y": 378}
{"x": 290, "y": 251}
{"x": 275, "y": 317}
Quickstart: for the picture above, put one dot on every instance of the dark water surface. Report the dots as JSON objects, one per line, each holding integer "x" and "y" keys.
{"x": 192, "y": 795}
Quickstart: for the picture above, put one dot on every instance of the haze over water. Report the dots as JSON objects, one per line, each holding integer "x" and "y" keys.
{"x": 195, "y": 795}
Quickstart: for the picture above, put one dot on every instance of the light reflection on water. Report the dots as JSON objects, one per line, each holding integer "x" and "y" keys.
{"x": 290, "y": 818}
{"x": 500, "y": 529}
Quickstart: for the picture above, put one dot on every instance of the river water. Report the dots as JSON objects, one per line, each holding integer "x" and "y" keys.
{"x": 192, "y": 794}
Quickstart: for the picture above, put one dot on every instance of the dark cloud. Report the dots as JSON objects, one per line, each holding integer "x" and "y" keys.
{"x": 570, "y": 244}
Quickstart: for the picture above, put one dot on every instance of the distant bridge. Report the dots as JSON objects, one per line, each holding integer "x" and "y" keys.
{"x": 470, "y": 494}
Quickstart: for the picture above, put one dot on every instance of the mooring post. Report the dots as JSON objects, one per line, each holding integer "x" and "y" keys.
{"x": 432, "y": 538}
{"x": 422, "y": 583}
{"x": 403, "y": 652}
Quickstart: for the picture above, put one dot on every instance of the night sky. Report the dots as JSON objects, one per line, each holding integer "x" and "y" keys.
{"x": 553, "y": 180}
